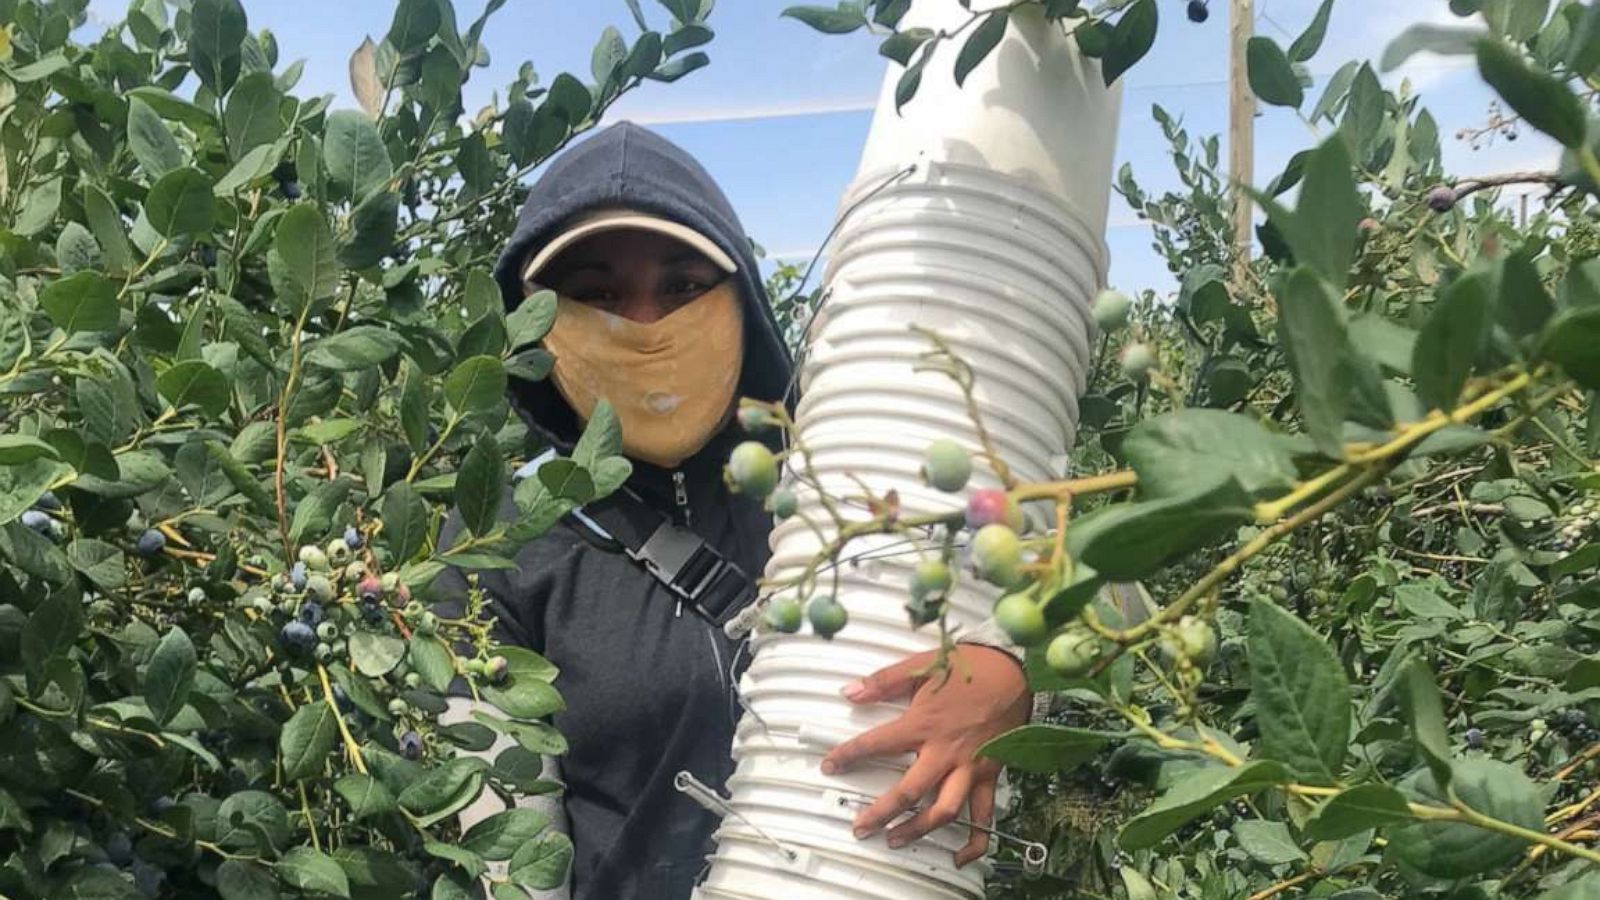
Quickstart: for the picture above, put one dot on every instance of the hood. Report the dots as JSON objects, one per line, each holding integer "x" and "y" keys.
{"x": 629, "y": 166}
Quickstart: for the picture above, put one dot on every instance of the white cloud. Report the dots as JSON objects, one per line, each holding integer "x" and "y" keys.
{"x": 655, "y": 113}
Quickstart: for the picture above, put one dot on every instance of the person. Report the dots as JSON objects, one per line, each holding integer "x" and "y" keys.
{"x": 661, "y": 311}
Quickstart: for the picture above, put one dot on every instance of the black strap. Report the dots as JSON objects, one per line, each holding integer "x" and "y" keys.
{"x": 711, "y": 586}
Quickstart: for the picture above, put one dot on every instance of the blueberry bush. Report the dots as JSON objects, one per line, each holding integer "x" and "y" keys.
{"x": 250, "y": 358}
{"x": 1354, "y": 480}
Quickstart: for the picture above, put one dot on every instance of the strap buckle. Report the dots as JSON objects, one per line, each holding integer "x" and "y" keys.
{"x": 696, "y": 574}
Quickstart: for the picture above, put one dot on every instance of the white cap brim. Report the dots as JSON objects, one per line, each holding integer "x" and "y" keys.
{"x": 615, "y": 220}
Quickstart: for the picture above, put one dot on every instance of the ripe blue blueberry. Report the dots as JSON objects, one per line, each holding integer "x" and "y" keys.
{"x": 352, "y": 538}
{"x": 38, "y": 521}
{"x": 150, "y": 543}
{"x": 48, "y": 500}
{"x": 411, "y": 745}
{"x": 297, "y": 637}
{"x": 297, "y": 576}
{"x": 311, "y": 612}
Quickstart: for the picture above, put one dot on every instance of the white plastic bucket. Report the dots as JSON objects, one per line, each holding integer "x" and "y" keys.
{"x": 993, "y": 241}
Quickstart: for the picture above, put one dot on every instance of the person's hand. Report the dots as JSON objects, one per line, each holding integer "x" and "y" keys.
{"x": 952, "y": 714}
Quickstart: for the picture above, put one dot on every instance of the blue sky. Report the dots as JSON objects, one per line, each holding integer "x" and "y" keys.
{"x": 780, "y": 116}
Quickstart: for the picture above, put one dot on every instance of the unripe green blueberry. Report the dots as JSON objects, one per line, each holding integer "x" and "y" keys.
{"x": 752, "y": 470}
{"x": 946, "y": 465}
{"x": 827, "y": 616}
{"x": 784, "y": 614}
{"x": 1111, "y": 309}
{"x": 1022, "y": 619}
{"x": 320, "y": 588}
{"x": 755, "y": 420}
{"x": 1198, "y": 639}
{"x": 390, "y": 581}
{"x": 1137, "y": 360}
{"x": 931, "y": 578}
{"x": 497, "y": 669}
{"x": 314, "y": 558}
{"x": 355, "y": 570}
{"x": 398, "y": 707}
{"x": 263, "y": 605}
{"x": 783, "y": 504}
{"x": 196, "y": 596}
{"x": 1072, "y": 653}
{"x": 475, "y": 667}
{"x": 327, "y": 631}
{"x": 997, "y": 554}
{"x": 427, "y": 623}
{"x": 324, "y": 652}
{"x": 411, "y": 679}
{"x": 338, "y": 552}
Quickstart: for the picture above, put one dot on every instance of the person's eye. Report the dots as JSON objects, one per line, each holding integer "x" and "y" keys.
{"x": 596, "y": 296}
{"x": 688, "y": 287}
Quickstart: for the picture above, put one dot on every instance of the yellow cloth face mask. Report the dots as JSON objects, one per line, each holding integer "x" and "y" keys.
{"x": 671, "y": 381}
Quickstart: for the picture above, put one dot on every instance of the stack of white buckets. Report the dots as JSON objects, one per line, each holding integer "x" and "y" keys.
{"x": 993, "y": 241}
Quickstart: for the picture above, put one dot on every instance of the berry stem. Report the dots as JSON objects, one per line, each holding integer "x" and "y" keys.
{"x": 350, "y": 746}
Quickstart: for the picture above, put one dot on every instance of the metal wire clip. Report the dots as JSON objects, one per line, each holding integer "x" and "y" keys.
{"x": 709, "y": 799}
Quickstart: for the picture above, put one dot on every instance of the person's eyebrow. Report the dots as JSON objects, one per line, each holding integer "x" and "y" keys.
{"x": 686, "y": 256}
{"x": 590, "y": 265}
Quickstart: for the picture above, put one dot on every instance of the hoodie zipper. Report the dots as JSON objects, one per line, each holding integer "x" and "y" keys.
{"x": 680, "y": 496}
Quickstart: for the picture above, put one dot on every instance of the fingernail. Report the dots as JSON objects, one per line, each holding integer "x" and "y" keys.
{"x": 828, "y": 767}
{"x": 855, "y": 690}
{"x": 896, "y": 843}
{"x": 861, "y": 833}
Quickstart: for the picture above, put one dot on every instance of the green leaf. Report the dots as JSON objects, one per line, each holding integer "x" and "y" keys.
{"x": 23, "y": 484}
{"x": 480, "y": 482}
{"x": 366, "y": 795}
{"x": 1569, "y": 340}
{"x": 302, "y": 266}
{"x": 1522, "y": 305}
{"x": 85, "y": 301}
{"x": 542, "y": 864}
{"x": 1541, "y": 99}
{"x": 1313, "y": 335}
{"x": 246, "y": 817}
{"x": 1130, "y": 39}
{"x": 1301, "y": 696}
{"x": 1310, "y": 41}
{"x": 842, "y": 20}
{"x": 251, "y": 118}
{"x": 475, "y": 385}
{"x": 353, "y": 349}
{"x": 1271, "y": 76}
{"x": 1267, "y": 842}
{"x": 1355, "y": 810}
{"x": 240, "y": 477}
{"x": 1322, "y": 231}
{"x": 1451, "y": 339}
{"x": 414, "y": 395}
{"x": 446, "y": 789}
{"x": 180, "y": 203}
{"x": 354, "y": 154}
{"x": 1457, "y": 849}
{"x": 567, "y": 480}
{"x": 1424, "y": 37}
{"x": 16, "y": 449}
{"x": 313, "y": 871}
{"x": 313, "y": 515}
{"x": 1424, "y": 711}
{"x": 375, "y": 654}
{"x": 217, "y": 29}
{"x": 96, "y": 884}
{"x": 405, "y": 521}
{"x": 1172, "y": 452}
{"x": 609, "y": 53}
{"x": 39, "y": 208}
{"x": 76, "y": 249}
{"x": 240, "y": 880}
{"x": 911, "y": 79}
{"x": 1583, "y": 889}
{"x": 499, "y": 836}
{"x": 170, "y": 676}
{"x": 431, "y": 661}
{"x": 980, "y": 44}
{"x": 192, "y": 381}
{"x": 307, "y": 739}
{"x": 1196, "y": 794}
{"x": 99, "y": 561}
{"x": 1046, "y": 749}
{"x": 52, "y": 629}
{"x": 414, "y": 23}
{"x": 106, "y": 223}
{"x": 373, "y": 226}
{"x": 531, "y": 320}
{"x": 1128, "y": 541}
{"x": 525, "y": 698}
{"x": 601, "y": 439}
{"x": 151, "y": 140}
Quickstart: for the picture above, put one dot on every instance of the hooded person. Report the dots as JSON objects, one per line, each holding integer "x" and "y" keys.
{"x": 661, "y": 312}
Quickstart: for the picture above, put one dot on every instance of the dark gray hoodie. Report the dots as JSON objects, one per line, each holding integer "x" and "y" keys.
{"x": 649, "y": 688}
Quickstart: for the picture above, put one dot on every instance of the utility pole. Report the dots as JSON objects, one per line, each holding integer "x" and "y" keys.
{"x": 1241, "y": 129}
